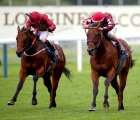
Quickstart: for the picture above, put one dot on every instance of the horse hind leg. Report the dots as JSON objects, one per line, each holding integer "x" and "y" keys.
{"x": 47, "y": 83}
{"x": 55, "y": 81}
{"x": 35, "y": 79}
{"x": 123, "y": 79}
{"x": 115, "y": 85}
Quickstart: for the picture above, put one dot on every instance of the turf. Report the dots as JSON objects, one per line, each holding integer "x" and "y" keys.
{"x": 73, "y": 98}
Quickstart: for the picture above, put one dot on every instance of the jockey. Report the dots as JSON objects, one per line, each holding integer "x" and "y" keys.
{"x": 104, "y": 19}
{"x": 36, "y": 21}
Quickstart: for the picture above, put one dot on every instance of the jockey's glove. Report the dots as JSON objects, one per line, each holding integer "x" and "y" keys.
{"x": 49, "y": 30}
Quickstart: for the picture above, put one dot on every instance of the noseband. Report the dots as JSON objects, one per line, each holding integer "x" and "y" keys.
{"x": 26, "y": 48}
{"x": 97, "y": 42}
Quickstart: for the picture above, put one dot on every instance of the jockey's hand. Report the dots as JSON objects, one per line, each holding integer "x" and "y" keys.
{"x": 35, "y": 31}
{"x": 85, "y": 26}
{"x": 101, "y": 28}
{"x": 49, "y": 30}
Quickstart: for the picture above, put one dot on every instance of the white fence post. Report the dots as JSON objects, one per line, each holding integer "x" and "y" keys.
{"x": 79, "y": 55}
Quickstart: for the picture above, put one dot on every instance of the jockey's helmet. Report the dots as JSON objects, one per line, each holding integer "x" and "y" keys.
{"x": 97, "y": 17}
{"x": 35, "y": 16}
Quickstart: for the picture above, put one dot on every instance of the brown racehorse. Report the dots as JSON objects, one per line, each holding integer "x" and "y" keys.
{"x": 104, "y": 62}
{"x": 36, "y": 62}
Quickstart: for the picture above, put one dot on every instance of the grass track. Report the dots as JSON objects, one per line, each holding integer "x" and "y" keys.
{"x": 73, "y": 98}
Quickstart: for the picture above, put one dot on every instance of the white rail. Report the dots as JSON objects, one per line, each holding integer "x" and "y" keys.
{"x": 131, "y": 40}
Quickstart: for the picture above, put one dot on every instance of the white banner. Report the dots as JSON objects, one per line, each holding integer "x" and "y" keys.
{"x": 68, "y": 19}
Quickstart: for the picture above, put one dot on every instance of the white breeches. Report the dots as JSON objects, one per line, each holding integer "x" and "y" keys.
{"x": 112, "y": 32}
{"x": 42, "y": 34}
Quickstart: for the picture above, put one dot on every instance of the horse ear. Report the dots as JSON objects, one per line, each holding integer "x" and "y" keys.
{"x": 18, "y": 28}
{"x": 28, "y": 29}
{"x": 99, "y": 24}
{"x": 94, "y": 24}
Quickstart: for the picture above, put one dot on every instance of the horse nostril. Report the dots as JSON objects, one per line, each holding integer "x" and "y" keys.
{"x": 89, "y": 51}
{"x": 19, "y": 54}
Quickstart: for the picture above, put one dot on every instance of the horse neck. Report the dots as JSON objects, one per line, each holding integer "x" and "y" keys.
{"x": 104, "y": 44}
{"x": 35, "y": 47}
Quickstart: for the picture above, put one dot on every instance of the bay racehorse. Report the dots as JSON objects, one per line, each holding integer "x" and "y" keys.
{"x": 36, "y": 62}
{"x": 105, "y": 61}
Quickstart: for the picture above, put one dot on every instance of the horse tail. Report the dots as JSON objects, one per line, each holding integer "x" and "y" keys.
{"x": 67, "y": 73}
{"x": 132, "y": 63}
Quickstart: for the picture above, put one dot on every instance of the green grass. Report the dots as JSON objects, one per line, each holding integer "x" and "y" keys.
{"x": 73, "y": 98}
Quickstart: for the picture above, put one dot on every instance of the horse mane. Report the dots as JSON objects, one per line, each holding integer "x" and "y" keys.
{"x": 94, "y": 24}
{"x": 104, "y": 32}
{"x": 30, "y": 32}
{"x": 23, "y": 29}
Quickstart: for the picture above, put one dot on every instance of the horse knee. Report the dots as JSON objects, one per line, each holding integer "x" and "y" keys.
{"x": 107, "y": 82}
{"x": 35, "y": 77}
{"x": 19, "y": 87}
{"x": 95, "y": 90}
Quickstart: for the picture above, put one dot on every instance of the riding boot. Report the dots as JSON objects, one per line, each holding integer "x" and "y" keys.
{"x": 120, "y": 48}
{"x": 54, "y": 51}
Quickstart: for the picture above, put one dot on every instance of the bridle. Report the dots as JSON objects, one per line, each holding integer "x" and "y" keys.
{"x": 28, "y": 43}
{"x": 97, "y": 42}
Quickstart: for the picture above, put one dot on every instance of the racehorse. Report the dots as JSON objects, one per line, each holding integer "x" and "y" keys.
{"x": 36, "y": 62}
{"x": 105, "y": 61}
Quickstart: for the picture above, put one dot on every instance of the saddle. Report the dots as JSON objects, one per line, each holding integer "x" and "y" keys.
{"x": 50, "y": 53}
{"x": 48, "y": 50}
{"x": 121, "y": 57}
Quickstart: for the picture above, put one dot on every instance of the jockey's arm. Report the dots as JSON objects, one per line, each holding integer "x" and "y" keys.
{"x": 86, "y": 23}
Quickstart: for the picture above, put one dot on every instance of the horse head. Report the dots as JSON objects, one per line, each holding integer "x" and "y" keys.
{"x": 22, "y": 40}
{"x": 93, "y": 38}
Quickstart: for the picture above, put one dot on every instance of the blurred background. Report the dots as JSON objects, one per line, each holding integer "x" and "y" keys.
{"x": 68, "y": 16}
{"x": 67, "y": 2}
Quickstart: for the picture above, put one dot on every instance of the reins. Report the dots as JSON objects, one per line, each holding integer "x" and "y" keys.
{"x": 35, "y": 53}
{"x": 31, "y": 47}
{"x": 32, "y": 43}
{"x": 97, "y": 45}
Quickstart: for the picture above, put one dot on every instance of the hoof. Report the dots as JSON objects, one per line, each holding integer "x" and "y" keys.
{"x": 34, "y": 102}
{"x": 52, "y": 104}
{"x": 91, "y": 108}
{"x": 122, "y": 108}
{"x": 10, "y": 103}
{"x": 106, "y": 106}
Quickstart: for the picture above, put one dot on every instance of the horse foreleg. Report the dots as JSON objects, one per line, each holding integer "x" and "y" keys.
{"x": 95, "y": 80}
{"x": 35, "y": 79}
{"x": 95, "y": 92}
{"x": 19, "y": 86}
{"x": 13, "y": 100}
{"x": 106, "y": 103}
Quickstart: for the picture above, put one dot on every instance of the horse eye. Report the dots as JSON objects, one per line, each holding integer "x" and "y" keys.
{"x": 97, "y": 36}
